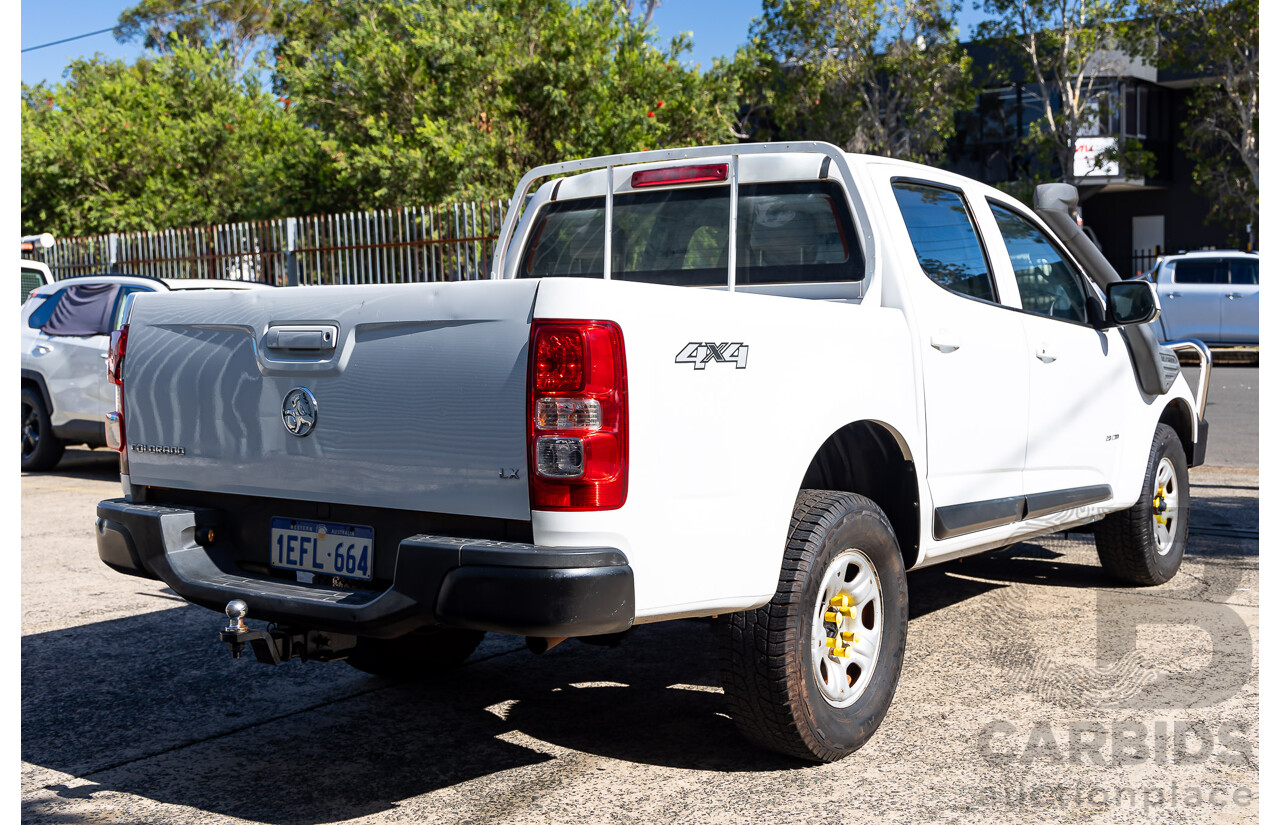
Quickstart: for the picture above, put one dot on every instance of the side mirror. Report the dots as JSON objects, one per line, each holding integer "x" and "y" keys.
{"x": 1132, "y": 302}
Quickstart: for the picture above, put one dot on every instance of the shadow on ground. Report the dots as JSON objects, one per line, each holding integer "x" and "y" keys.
{"x": 94, "y": 465}
{"x": 153, "y": 706}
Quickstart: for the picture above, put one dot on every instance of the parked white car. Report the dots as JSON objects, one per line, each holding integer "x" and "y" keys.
{"x": 755, "y": 382}
{"x": 1210, "y": 295}
{"x": 65, "y": 331}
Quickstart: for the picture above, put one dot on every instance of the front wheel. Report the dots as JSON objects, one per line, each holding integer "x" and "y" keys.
{"x": 416, "y": 656}
{"x": 41, "y": 449}
{"x": 1144, "y": 544}
{"x": 812, "y": 673}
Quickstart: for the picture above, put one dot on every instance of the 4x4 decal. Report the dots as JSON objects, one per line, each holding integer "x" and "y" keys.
{"x": 699, "y": 353}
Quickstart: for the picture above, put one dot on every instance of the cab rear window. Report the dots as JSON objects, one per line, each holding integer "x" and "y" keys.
{"x": 788, "y": 233}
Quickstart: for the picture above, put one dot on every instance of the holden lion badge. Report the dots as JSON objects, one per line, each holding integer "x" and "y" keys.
{"x": 299, "y": 412}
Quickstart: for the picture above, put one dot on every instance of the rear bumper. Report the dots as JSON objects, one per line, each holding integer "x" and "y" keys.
{"x": 506, "y": 587}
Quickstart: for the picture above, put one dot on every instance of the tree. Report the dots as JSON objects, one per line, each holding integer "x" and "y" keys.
{"x": 177, "y": 140}
{"x": 241, "y": 27}
{"x": 878, "y": 76}
{"x": 1217, "y": 40}
{"x": 1071, "y": 48}
{"x": 422, "y": 102}
{"x": 647, "y": 7}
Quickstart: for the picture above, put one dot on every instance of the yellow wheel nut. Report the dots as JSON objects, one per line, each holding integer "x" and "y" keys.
{"x": 841, "y": 602}
{"x": 849, "y": 636}
{"x": 831, "y": 642}
{"x": 834, "y": 618}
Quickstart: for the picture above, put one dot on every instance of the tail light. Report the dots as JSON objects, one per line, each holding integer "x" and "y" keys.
{"x": 115, "y": 374}
{"x": 115, "y": 355}
{"x": 577, "y": 416}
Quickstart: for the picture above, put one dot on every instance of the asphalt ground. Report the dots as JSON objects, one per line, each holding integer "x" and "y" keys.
{"x": 1033, "y": 690}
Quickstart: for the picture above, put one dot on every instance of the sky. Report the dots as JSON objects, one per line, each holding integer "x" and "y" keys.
{"x": 718, "y": 27}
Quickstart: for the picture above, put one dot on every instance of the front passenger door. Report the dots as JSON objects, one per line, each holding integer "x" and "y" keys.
{"x": 1078, "y": 374}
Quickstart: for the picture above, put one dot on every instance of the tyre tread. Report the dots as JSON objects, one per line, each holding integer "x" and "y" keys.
{"x": 759, "y": 688}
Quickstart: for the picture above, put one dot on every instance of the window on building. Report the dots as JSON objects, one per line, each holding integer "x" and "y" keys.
{"x": 1047, "y": 283}
{"x": 945, "y": 240}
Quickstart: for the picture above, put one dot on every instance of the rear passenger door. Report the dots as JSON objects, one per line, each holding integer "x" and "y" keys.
{"x": 1240, "y": 302}
{"x": 1191, "y": 296}
{"x": 1080, "y": 377}
{"x": 972, "y": 353}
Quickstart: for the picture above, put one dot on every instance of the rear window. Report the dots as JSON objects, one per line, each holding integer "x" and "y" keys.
{"x": 31, "y": 278}
{"x": 788, "y": 233}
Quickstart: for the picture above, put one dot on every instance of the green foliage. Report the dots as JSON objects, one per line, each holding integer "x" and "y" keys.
{"x": 877, "y": 76}
{"x": 1217, "y": 40}
{"x": 417, "y": 102}
{"x": 238, "y": 26}
{"x": 171, "y": 141}
{"x": 377, "y": 103}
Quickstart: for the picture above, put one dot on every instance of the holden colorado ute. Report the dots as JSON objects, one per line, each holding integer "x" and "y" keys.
{"x": 755, "y": 382}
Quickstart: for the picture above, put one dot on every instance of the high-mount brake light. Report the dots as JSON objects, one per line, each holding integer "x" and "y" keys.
{"x": 701, "y": 173}
{"x": 577, "y": 416}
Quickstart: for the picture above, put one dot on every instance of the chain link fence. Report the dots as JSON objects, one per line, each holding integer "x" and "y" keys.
{"x": 452, "y": 242}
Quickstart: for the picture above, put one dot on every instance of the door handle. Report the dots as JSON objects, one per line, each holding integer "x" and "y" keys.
{"x": 1045, "y": 354}
{"x": 104, "y": 355}
{"x": 1173, "y": 295}
{"x": 1234, "y": 295}
{"x": 41, "y": 349}
{"x": 944, "y": 341}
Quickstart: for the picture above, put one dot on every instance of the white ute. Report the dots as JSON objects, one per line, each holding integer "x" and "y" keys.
{"x": 755, "y": 382}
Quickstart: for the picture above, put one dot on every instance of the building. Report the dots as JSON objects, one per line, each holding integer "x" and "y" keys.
{"x": 1134, "y": 218}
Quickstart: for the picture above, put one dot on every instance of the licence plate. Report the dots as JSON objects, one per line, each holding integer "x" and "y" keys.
{"x": 322, "y": 547}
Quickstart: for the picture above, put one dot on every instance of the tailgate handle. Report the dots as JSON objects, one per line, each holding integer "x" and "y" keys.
{"x": 300, "y": 337}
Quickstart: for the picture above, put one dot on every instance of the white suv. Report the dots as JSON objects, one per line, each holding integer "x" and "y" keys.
{"x": 1211, "y": 295}
{"x": 65, "y": 327}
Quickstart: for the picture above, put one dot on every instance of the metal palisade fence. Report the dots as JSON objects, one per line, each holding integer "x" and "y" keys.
{"x": 453, "y": 242}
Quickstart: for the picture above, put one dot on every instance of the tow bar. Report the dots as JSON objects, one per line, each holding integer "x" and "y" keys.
{"x": 280, "y": 644}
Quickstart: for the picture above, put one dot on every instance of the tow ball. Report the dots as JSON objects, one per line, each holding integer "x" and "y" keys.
{"x": 280, "y": 644}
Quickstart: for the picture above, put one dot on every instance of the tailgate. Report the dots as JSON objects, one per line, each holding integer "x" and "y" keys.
{"x": 419, "y": 394}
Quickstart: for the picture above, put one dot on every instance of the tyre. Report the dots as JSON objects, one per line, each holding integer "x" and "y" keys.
{"x": 812, "y": 673}
{"x": 1144, "y": 544}
{"x": 41, "y": 449}
{"x": 416, "y": 656}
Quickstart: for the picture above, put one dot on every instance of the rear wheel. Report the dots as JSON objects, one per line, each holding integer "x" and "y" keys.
{"x": 416, "y": 656}
{"x": 41, "y": 449}
{"x": 1144, "y": 544}
{"x": 812, "y": 673}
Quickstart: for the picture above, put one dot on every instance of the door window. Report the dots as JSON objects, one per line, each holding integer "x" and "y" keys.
{"x": 40, "y": 315}
{"x": 79, "y": 310}
{"x": 1047, "y": 283}
{"x": 1200, "y": 271}
{"x": 945, "y": 239}
{"x": 1244, "y": 272}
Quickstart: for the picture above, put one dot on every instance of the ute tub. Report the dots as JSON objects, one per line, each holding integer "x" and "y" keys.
{"x": 506, "y": 587}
